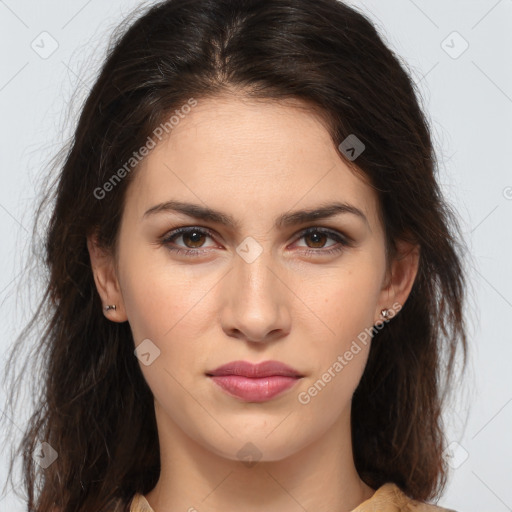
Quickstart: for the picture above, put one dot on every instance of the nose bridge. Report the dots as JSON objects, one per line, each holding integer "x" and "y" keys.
{"x": 253, "y": 267}
{"x": 254, "y": 305}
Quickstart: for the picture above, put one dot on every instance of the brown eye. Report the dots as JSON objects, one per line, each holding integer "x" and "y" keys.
{"x": 195, "y": 237}
{"x": 318, "y": 238}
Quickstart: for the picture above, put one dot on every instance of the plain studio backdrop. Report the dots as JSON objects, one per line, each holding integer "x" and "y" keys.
{"x": 459, "y": 54}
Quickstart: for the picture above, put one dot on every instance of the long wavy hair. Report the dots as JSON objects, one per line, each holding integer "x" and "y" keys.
{"x": 91, "y": 402}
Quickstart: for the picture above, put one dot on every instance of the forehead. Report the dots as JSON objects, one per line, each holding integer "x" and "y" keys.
{"x": 236, "y": 154}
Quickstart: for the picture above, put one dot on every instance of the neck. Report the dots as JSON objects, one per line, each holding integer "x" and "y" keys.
{"x": 320, "y": 476}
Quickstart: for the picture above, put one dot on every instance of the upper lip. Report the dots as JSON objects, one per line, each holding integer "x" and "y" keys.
{"x": 247, "y": 369}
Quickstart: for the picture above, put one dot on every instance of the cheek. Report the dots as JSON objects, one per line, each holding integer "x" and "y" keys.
{"x": 171, "y": 306}
{"x": 166, "y": 308}
{"x": 156, "y": 294}
{"x": 341, "y": 337}
{"x": 345, "y": 300}
{"x": 340, "y": 360}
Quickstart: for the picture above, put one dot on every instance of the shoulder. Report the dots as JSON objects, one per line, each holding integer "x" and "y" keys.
{"x": 390, "y": 498}
{"x": 387, "y": 498}
{"x": 140, "y": 504}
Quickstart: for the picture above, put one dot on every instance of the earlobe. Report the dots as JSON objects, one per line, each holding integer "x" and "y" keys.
{"x": 105, "y": 278}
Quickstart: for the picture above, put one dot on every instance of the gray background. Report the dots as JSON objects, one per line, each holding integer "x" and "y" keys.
{"x": 467, "y": 93}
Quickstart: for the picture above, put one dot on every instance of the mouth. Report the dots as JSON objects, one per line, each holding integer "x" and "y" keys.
{"x": 255, "y": 382}
{"x": 250, "y": 370}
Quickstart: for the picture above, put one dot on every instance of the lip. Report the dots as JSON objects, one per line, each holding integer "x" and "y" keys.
{"x": 255, "y": 382}
{"x": 254, "y": 371}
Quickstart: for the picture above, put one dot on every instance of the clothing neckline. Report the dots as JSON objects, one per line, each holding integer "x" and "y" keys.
{"x": 388, "y": 493}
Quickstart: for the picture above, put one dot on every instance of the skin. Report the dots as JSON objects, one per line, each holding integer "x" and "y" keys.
{"x": 254, "y": 161}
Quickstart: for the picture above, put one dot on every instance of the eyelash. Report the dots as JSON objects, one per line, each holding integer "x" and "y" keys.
{"x": 170, "y": 237}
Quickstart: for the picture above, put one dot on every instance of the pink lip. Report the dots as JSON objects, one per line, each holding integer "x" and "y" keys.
{"x": 254, "y": 383}
{"x": 254, "y": 390}
{"x": 264, "y": 369}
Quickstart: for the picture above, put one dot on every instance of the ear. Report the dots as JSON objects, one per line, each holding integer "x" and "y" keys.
{"x": 105, "y": 277}
{"x": 399, "y": 280}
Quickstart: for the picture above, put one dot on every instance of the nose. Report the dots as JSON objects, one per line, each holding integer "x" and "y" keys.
{"x": 255, "y": 300}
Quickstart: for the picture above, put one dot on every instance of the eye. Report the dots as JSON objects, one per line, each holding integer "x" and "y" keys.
{"x": 187, "y": 233}
{"x": 319, "y": 235}
{"x": 193, "y": 239}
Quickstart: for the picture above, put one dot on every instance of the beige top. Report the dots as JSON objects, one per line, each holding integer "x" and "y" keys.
{"x": 387, "y": 498}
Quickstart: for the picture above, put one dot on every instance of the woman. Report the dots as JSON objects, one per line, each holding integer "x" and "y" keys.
{"x": 255, "y": 286}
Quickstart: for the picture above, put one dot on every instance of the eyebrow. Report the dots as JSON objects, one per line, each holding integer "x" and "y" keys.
{"x": 203, "y": 213}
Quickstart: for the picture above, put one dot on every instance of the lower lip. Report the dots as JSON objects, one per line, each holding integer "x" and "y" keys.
{"x": 254, "y": 390}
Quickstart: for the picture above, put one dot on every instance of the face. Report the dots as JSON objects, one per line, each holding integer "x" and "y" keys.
{"x": 253, "y": 289}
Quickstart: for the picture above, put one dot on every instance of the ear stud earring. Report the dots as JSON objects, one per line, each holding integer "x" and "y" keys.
{"x": 109, "y": 307}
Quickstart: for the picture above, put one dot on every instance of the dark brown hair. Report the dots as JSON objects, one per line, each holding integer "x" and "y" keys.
{"x": 92, "y": 404}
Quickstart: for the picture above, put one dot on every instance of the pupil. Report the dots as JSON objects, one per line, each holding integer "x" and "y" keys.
{"x": 315, "y": 236}
{"x": 192, "y": 235}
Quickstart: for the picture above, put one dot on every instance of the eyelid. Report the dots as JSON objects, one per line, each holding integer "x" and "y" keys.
{"x": 175, "y": 233}
{"x": 333, "y": 233}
